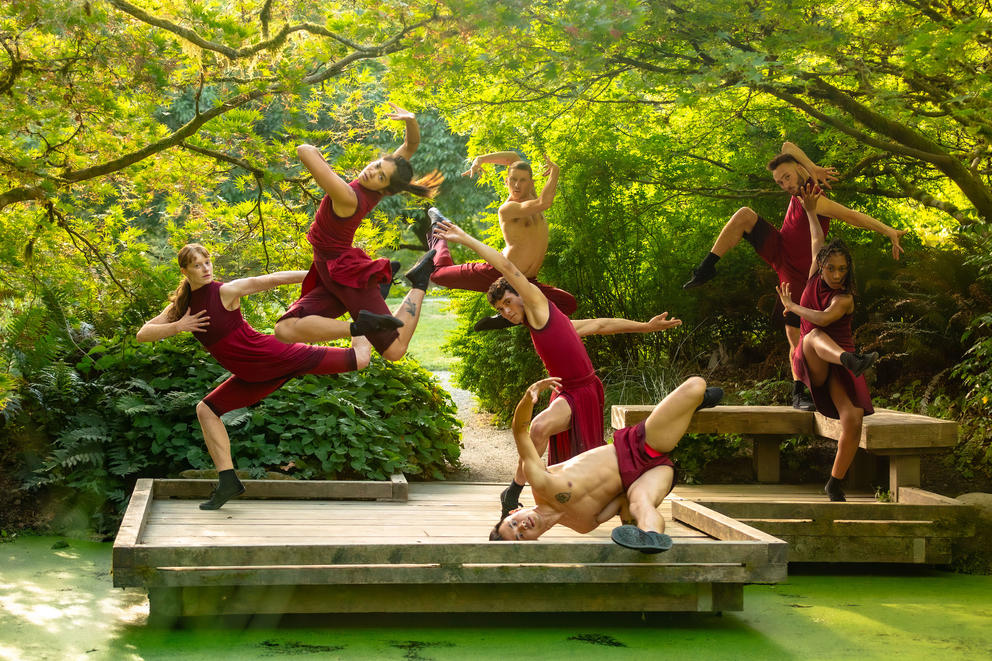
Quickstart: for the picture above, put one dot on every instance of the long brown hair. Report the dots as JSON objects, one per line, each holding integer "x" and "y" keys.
{"x": 180, "y": 297}
{"x": 402, "y": 179}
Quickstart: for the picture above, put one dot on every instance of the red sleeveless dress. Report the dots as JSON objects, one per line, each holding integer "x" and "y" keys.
{"x": 564, "y": 356}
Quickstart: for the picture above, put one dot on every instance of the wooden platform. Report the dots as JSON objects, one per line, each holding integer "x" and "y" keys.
{"x": 428, "y": 554}
{"x": 901, "y": 437}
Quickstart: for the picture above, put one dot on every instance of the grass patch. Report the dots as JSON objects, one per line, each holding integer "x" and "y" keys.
{"x": 435, "y": 322}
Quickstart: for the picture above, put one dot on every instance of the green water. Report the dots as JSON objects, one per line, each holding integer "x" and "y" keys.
{"x": 59, "y": 604}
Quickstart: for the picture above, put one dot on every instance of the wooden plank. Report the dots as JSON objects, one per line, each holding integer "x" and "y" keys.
{"x": 132, "y": 524}
{"x": 878, "y": 528}
{"x": 783, "y": 420}
{"x": 753, "y": 509}
{"x": 284, "y": 489}
{"x": 452, "y": 574}
{"x": 917, "y": 496}
{"x": 472, "y": 598}
{"x": 893, "y": 430}
{"x": 400, "y": 488}
{"x": 903, "y": 550}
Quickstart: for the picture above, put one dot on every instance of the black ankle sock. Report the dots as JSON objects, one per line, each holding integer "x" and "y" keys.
{"x": 849, "y": 360}
{"x": 709, "y": 262}
{"x": 833, "y": 488}
{"x": 228, "y": 478}
{"x": 513, "y": 491}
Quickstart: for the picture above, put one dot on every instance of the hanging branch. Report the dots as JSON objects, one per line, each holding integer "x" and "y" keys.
{"x": 61, "y": 221}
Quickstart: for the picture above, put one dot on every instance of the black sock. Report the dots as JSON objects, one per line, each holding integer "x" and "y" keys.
{"x": 833, "y": 488}
{"x": 849, "y": 360}
{"x": 228, "y": 478}
{"x": 354, "y": 330}
{"x": 709, "y": 262}
{"x": 797, "y": 388}
{"x": 513, "y": 491}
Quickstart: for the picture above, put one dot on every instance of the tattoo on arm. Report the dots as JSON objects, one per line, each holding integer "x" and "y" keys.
{"x": 410, "y": 307}
{"x": 563, "y": 496}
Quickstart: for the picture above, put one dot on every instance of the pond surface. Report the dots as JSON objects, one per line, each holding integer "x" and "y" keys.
{"x": 58, "y": 603}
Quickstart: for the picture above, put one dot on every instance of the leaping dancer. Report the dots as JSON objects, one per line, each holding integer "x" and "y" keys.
{"x": 787, "y": 249}
{"x": 344, "y": 278}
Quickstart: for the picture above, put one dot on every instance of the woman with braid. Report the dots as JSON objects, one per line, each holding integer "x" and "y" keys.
{"x": 824, "y": 358}
{"x": 259, "y": 363}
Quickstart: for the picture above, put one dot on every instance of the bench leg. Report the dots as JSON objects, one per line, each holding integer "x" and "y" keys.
{"x": 904, "y": 471}
{"x": 766, "y": 458}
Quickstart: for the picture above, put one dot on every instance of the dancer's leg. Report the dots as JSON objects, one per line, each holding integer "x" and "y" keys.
{"x": 740, "y": 223}
{"x": 215, "y": 436}
{"x": 667, "y": 423}
{"x": 851, "y": 421}
{"x": 646, "y": 494}
{"x": 312, "y": 328}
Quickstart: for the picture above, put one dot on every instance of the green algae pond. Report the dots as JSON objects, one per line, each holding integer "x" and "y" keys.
{"x": 57, "y": 602}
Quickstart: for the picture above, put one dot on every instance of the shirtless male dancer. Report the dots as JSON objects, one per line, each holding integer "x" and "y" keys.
{"x": 630, "y": 476}
{"x": 573, "y": 421}
{"x": 787, "y": 249}
{"x": 525, "y": 232}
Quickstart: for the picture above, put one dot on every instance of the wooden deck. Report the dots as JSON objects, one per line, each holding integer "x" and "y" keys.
{"x": 428, "y": 554}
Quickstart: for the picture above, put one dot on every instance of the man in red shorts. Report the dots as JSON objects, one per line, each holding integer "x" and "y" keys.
{"x": 573, "y": 421}
{"x": 787, "y": 249}
{"x": 630, "y": 477}
{"x": 525, "y": 232}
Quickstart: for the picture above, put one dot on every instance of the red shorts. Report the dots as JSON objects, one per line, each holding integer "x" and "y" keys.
{"x": 635, "y": 457}
{"x": 478, "y": 276}
{"x": 236, "y": 393}
{"x": 768, "y": 243}
{"x": 331, "y": 299}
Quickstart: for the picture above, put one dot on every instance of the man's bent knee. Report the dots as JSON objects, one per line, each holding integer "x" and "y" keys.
{"x": 285, "y": 330}
{"x": 745, "y": 217}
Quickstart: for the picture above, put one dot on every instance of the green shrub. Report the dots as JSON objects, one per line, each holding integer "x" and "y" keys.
{"x": 126, "y": 410}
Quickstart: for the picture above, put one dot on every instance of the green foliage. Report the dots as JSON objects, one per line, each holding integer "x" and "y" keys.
{"x": 126, "y": 411}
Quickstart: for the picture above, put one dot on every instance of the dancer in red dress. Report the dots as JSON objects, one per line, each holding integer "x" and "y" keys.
{"x": 259, "y": 363}
{"x": 342, "y": 277}
{"x": 786, "y": 249}
{"x": 825, "y": 358}
{"x": 525, "y": 232}
{"x": 573, "y": 421}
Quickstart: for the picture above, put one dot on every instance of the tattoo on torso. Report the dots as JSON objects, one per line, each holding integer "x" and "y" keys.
{"x": 563, "y": 497}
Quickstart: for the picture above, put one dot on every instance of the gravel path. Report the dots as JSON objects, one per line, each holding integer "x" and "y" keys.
{"x": 488, "y": 453}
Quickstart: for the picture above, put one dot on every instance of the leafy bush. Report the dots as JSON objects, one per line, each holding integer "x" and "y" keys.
{"x": 126, "y": 410}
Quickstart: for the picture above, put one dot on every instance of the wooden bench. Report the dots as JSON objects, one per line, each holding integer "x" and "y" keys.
{"x": 902, "y": 437}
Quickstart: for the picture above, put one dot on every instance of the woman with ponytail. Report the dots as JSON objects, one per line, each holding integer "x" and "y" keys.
{"x": 344, "y": 278}
{"x": 825, "y": 359}
{"x": 259, "y": 363}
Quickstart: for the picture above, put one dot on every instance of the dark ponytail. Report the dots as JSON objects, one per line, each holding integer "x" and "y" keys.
{"x": 180, "y": 297}
{"x": 401, "y": 181}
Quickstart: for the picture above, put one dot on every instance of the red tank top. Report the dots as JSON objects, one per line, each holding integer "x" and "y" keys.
{"x": 330, "y": 231}
{"x": 817, "y": 296}
{"x": 241, "y": 349}
{"x": 795, "y": 235}
{"x": 561, "y": 349}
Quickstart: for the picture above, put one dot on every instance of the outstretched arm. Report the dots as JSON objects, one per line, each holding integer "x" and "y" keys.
{"x": 535, "y": 303}
{"x": 537, "y": 474}
{"x": 827, "y": 207}
{"x": 160, "y": 327}
{"x": 234, "y": 290}
{"x": 614, "y": 326}
{"x": 810, "y": 197}
{"x": 343, "y": 198}
{"x": 506, "y": 158}
{"x": 411, "y": 132}
{"x": 822, "y": 176}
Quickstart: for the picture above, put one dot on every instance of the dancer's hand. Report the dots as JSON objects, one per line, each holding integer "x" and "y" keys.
{"x": 194, "y": 323}
{"x": 553, "y": 383}
{"x": 810, "y": 195}
{"x": 549, "y": 166}
{"x": 894, "y": 236}
{"x": 450, "y": 232}
{"x": 399, "y": 114}
{"x": 662, "y": 322}
{"x": 784, "y": 290}
{"x": 474, "y": 169}
{"x": 824, "y": 176}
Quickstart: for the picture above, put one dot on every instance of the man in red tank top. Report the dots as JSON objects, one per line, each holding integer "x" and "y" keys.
{"x": 787, "y": 249}
{"x": 573, "y": 421}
